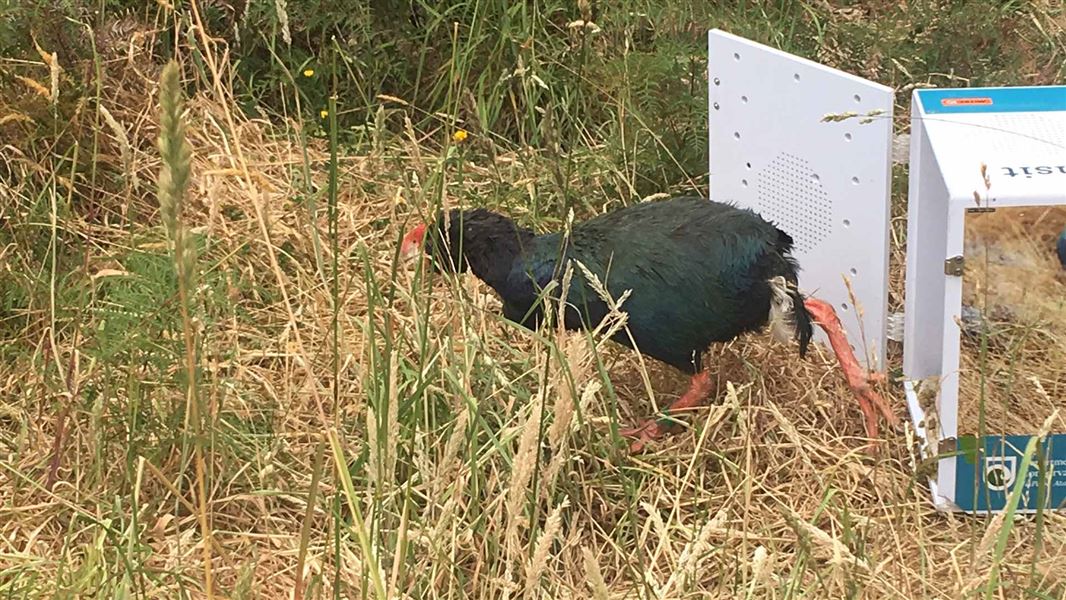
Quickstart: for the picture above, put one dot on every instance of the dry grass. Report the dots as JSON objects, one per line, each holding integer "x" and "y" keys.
{"x": 1014, "y": 278}
{"x": 480, "y": 459}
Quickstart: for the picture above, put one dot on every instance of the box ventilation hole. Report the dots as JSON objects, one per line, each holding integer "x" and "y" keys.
{"x": 791, "y": 195}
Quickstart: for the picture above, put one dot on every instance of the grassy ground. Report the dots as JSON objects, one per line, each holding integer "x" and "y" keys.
{"x": 1018, "y": 363}
{"x": 254, "y": 398}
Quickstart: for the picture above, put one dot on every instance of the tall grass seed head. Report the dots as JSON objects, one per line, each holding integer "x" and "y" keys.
{"x": 173, "y": 148}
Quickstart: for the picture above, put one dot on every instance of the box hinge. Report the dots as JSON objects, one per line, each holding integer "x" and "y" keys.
{"x": 947, "y": 446}
{"x": 954, "y": 266}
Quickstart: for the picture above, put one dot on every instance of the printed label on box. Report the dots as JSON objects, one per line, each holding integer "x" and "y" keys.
{"x": 985, "y": 478}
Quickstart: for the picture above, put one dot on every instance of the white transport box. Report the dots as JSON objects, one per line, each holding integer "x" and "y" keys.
{"x": 827, "y": 183}
{"x": 1016, "y": 137}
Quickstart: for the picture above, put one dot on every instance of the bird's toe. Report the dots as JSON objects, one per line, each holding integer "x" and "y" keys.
{"x": 642, "y": 434}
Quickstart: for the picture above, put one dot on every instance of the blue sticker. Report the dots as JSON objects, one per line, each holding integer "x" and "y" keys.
{"x": 984, "y": 480}
{"x": 993, "y": 100}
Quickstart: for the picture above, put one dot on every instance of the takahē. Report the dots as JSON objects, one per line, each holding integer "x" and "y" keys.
{"x": 699, "y": 272}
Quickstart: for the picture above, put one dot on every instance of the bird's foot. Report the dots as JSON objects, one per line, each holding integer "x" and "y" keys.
{"x": 701, "y": 386}
{"x": 870, "y": 402}
{"x": 642, "y": 434}
{"x": 650, "y": 430}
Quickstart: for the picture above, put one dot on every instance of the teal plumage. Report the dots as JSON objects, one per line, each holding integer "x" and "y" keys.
{"x": 699, "y": 272}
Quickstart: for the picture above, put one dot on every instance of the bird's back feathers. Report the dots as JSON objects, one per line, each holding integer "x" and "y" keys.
{"x": 699, "y": 272}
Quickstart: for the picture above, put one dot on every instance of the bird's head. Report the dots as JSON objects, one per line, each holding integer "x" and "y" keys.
{"x": 480, "y": 239}
{"x": 413, "y": 241}
{"x": 439, "y": 241}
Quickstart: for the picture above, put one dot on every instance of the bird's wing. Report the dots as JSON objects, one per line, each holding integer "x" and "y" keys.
{"x": 684, "y": 251}
{"x": 695, "y": 276}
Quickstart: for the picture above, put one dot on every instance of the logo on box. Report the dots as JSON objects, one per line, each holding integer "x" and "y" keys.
{"x": 1000, "y": 472}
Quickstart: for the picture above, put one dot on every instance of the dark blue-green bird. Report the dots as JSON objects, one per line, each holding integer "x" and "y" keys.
{"x": 698, "y": 272}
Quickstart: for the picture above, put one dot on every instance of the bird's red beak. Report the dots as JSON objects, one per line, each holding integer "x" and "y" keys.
{"x": 412, "y": 242}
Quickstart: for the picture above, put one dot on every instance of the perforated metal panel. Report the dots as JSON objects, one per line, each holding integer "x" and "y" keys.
{"x": 826, "y": 184}
{"x": 786, "y": 180}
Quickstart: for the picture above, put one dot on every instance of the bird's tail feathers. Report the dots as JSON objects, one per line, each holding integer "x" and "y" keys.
{"x": 789, "y": 318}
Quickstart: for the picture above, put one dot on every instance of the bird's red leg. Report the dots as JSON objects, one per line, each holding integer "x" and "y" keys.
{"x": 703, "y": 386}
{"x": 859, "y": 380}
{"x": 698, "y": 391}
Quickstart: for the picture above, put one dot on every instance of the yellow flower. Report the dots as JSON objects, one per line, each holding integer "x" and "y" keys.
{"x": 459, "y": 136}
{"x": 309, "y": 72}
{"x": 323, "y": 113}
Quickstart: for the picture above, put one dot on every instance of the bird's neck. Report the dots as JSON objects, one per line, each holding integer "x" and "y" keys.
{"x": 494, "y": 254}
